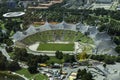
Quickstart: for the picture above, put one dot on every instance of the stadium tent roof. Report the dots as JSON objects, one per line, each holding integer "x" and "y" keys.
{"x": 31, "y": 30}
{"x": 46, "y": 26}
{"x": 59, "y": 26}
{"x": 102, "y": 36}
{"x": 102, "y": 40}
{"x": 4, "y": 31}
{"x": 65, "y": 26}
{"x": 92, "y": 30}
{"x": 82, "y": 28}
{"x": 105, "y": 46}
{"x": 18, "y": 36}
{"x": 112, "y": 51}
{"x": 78, "y": 25}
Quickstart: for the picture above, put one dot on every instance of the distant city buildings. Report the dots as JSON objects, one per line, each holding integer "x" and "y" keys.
{"x": 11, "y": 3}
{"x": 38, "y": 4}
{"x": 103, "y": 1}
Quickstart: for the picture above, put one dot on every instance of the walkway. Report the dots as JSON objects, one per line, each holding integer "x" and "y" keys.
{"x": 4, "y": 52}
{"x": 20, "y": 75}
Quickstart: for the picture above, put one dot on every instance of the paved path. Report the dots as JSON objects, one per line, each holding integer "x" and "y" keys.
{"x": 4, "y": 52}
{"x": 20, "y": 75}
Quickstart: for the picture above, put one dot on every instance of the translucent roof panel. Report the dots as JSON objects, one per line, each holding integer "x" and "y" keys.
{"x": 31, "y": 30}
{"x": 18, "y": 36}
{"x": 102, "y": 36}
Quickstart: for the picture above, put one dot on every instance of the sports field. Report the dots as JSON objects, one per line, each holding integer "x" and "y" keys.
{"x": 56, "y": 46}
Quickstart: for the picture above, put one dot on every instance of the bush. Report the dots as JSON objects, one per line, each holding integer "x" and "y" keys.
{"x": 59, "y": 55}
{"x": 117, "y": 49}
{"x": 13, "y": 66}
{"x": 9, "y": 49}
{"x": 118, "y": 59}
{"x": 109, "y": 60}
{"x": 32, "y": 69}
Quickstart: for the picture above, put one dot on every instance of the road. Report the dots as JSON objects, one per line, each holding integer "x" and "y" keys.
{"x": 4, "y": 52}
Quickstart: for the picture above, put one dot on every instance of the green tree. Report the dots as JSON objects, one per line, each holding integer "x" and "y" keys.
{"x": 3, "y": 61}
{"x": 117, "y": 49}
{"x": 59, "y": 55}
{"x": 84, "y": 75}
{"x": 109, "y": 60}
{"x": 9, "y": 42}
{"x": 32, "y": 69}
{"x": 13, "y": 66}
{"x": 118, "y": 59}
{"x": 69, "y": 58}
{"x": 21, "y": 54}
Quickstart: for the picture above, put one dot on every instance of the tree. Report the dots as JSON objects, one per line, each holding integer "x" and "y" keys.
{"x": 32, "y": 69}
{"x": 117, "y": 40}
{"x": 32, "y": 63}
{"x": 79, "y": 74}
{"x": 69, "y": 58}
{"x": 84, "y": 75}
{"x": 117, "y": 49}
{"x": 21, "y": 54}
{"x": 104, "y": 65}
{"x": 9, "y": 42}
{"x": 59, "y": 55}
{"x": 3, "y": 61}
{"x": 87, "y": 76}
{"x": 118, "y": 59}
{"x": 13, "y": 66}
{"x": 9, "y": 49}
{"x": 2, "y": 65}
{"x": 109, "y": 60}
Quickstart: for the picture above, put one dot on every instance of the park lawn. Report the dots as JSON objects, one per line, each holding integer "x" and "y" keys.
{"x": 55, "y": 47}
{"x": 9, "y": 76}
{"x": 53, "y": 59}
{"x": 40, "y": 77}
{"x": 26, "y": 73}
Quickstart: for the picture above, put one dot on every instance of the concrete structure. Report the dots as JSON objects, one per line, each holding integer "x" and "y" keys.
{"x": 13, "y": 14}
{"x": 103, "y": 1}
{"x": 39, "y": 4}
{"x": 102, "y": 40}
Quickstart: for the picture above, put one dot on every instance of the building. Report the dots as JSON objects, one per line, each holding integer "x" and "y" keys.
{"x": 103, "y": 1}
{"x": 11, "y": 3}
{"x": 44, "y": 4}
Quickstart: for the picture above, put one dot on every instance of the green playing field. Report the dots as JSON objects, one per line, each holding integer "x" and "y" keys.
{"x": 55, "y": 47}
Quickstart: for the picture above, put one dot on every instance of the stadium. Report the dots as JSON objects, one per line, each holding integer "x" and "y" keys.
{"x": 65, "y": 37}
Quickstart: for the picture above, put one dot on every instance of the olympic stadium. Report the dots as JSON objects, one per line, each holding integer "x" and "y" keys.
{"x": 66, "y": 37}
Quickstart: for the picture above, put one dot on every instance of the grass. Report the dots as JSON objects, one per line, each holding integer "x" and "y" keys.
{"x": 40, "y": 77}
{"x": 9, "y": 76}
{"x": 55, "y": 47}
{"x": 37, "y": 76}
{"x": 53, "y": 59}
